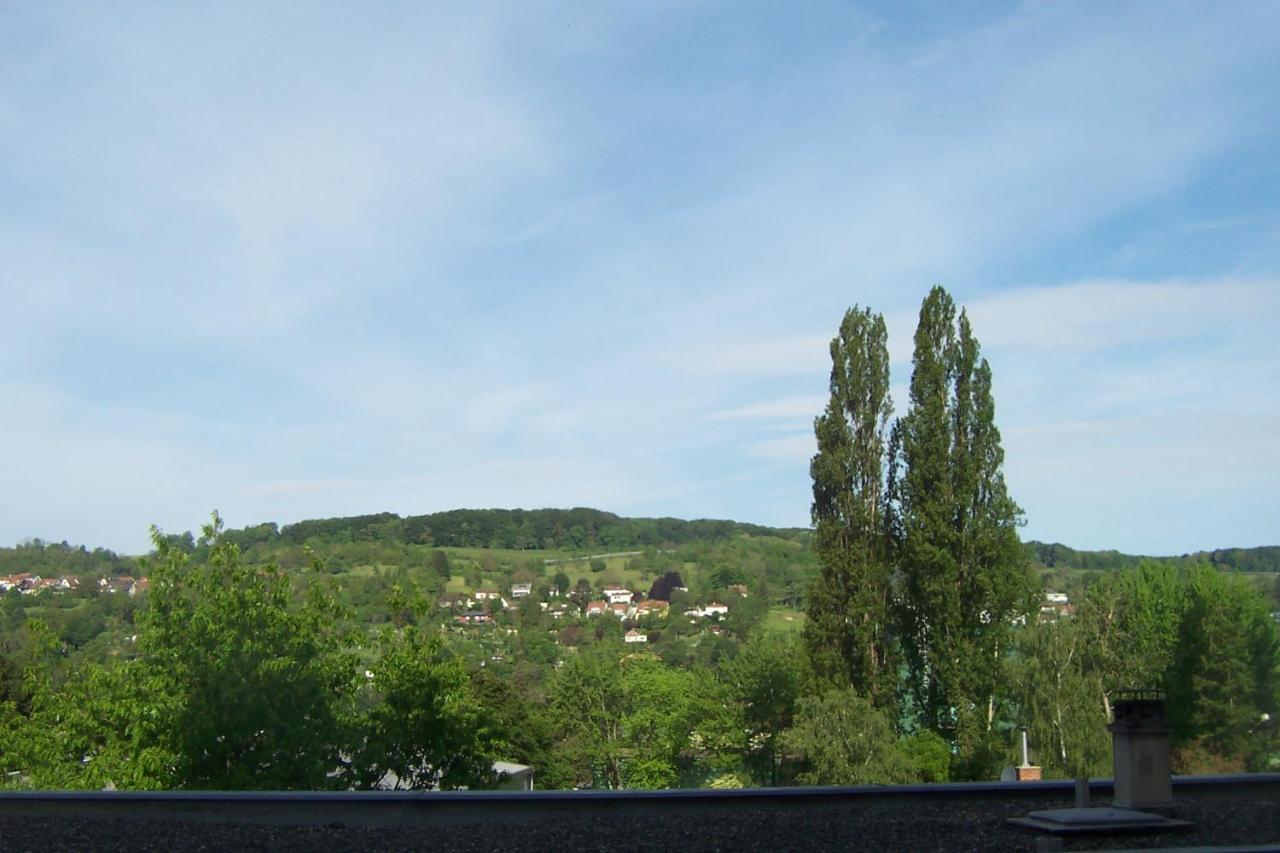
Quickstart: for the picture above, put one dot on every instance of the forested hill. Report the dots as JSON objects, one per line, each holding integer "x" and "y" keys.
{"x": 579, "y": 528}
{"x": 1057, "y": 556}
{"x": 520, "y": 529}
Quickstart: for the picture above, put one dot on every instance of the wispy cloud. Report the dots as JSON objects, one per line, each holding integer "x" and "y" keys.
{"x": 323, "y": 261}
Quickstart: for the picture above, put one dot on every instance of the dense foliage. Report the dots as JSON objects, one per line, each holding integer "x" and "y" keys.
{"x": 848, "y": 634}
{"x": 921, "y": 560}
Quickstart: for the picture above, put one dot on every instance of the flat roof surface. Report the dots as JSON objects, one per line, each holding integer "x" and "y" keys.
{"x": 944, "y": 818}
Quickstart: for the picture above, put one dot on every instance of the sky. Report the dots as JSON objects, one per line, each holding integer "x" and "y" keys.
{"x": 302, "y": 260}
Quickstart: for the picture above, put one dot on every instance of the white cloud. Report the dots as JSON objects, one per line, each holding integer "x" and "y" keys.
{"x": 1095, "y": 315}
{"x": 493, "y": 258}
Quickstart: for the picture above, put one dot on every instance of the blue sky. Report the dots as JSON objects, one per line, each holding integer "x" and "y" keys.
{"x": 302, "y": 260}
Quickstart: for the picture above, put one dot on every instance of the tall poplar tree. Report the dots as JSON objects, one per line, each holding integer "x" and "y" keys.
{"x": 963, "y": 576}
{"x": 847, "y": 632}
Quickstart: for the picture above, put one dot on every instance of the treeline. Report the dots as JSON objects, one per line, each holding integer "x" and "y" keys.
{"x": 1056, "y": 555}
{"x": 49, "y": 559}
{"x": 501, "y": 528}
{"x": 1204, "y": 637}
{"x": 519, "y": 529}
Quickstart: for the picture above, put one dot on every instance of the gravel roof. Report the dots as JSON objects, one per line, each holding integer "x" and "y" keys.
{"x": 1246, "y": 816}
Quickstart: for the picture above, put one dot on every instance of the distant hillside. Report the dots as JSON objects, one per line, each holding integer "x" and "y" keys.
{"x": 579, "y": 528}
{"x": 1056, "y": 555}
{"x": 519, "y": 529}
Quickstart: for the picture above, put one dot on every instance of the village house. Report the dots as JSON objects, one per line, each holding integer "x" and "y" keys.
{"x": 622, "y": 611}
{"x": 8, "y": 582}
{"x": 521, "y": 590}
{"x": 634, "y": 636}
{"x": 487, "y": 594}
{"x": 712, "y": 609}
{"x": 113, "y": 585}
{"x": 474, "y": 617}
{"x": 617, "y": 594}
{"x": 1056, "y": 606}
{"x": 595, "y": 608}
{"x": 24, "y": 582}
{"x": 651, "y": 607}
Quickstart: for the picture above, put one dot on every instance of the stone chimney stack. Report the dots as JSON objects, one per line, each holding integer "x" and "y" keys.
{"x": 1140, "y": 751}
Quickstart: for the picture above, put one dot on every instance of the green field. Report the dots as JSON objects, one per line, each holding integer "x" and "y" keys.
{"x": 784, "y": 619}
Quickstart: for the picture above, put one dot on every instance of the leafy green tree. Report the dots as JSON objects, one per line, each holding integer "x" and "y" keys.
{"x": 1226, "y": 670}
{"x": 964, "y": 577}
{"x": 845, "y": 740}
{"x": 746, "y": 614}
{"x": 258, "y": 685}
{"x": 588, "y": 699}
{"x": 765, "y": 680}
{"x": 440, "y": 564}
{"x": 675, "y": 719}
{"x": 1062, "y": 701}
{"x": 1130, "y": 622}
{"x": 847, "y": 632}
{"x": 633, "y": 722}
{"x": 86, "y": 725}
{"x": 423, "y": 727}
{"x": 928, "y": 756}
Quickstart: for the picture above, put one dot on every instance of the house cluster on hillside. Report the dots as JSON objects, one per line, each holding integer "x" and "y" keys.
{"x": 29, "y": 584}
{"x": 478, "y": 607}
{"x": 627, "y": 609}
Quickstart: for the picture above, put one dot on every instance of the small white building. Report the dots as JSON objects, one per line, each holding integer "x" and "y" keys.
{"x": 617, "y": 595}
{"x": 634, "y": 636}
{"x": 521, "y": 590}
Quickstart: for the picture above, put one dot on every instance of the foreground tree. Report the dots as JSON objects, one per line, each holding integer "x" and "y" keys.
{"x": 1061, "y": 700}
{"x": 964, "y": 577}
{"x": 424, "y": 727}
{"x": 765, "y": 680}
{"x": 1224, "y": 682}
{"x": 85, "y": 725}
{"x": 845, "y": 740}
{"x": 260, "y": 686}
{"x": 588, "y": 699}
{"x": 634, "y": 722}
{"x": 847, "y": 632}
{"x": 1129, "y": 623}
